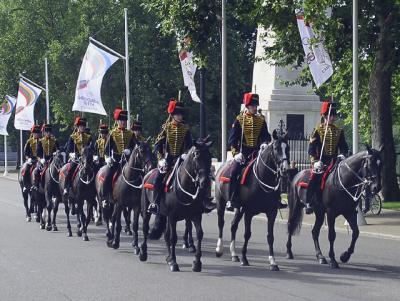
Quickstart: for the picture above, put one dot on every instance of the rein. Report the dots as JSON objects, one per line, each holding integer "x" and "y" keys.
{"x": 361, "y": 184}
{"x": 52, "y": 165}
{"x": 130, "y": 182}
{"x": 260, "y": 182}
{"x": 88, "y": 181}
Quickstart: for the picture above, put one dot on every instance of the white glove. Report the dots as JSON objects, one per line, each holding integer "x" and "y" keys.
{"x": 29, "y": 161}
{"x": 108, "y": 160}
{"x": 127, "y": 152}
{"x": 318, "y": 167}
{"x": 42, "y": 161}
{"x": 341, "y": 157}
{"x": 239, "y": 158}
{"x": 263, "y": 146}
{"x": 162, "y": 163}
{"x": 183, "y": 156}
{"x": 72, "y": 156}
{"x": 95, "y": 158}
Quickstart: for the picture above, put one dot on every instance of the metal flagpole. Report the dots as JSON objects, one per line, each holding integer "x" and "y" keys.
{"x": 5, "y": 157}
{"x": 21, "y": 148}
{"x": 360, "y": 217}
{"x": 47, "y": 91}
{"x": 224, "y": 82}
{"x": 127, "y": 68}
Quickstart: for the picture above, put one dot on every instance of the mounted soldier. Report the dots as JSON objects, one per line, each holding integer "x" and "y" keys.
{"x": 31, "y": 145}
{"x": 249, "y": 132}
{"x": 100, "y": 144}
{"x": 172, "y": 144}
{"x": 327, "y": 147}
{"x": 75, "y": 145}
{"x": 137, "y": 131}
{"x": 48, "y": 145}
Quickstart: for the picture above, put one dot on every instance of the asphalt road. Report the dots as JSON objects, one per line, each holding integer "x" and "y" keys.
{"x": 40, "y": 265}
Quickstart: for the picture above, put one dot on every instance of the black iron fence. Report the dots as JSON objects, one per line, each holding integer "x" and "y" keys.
{"x": 299, "y": 152}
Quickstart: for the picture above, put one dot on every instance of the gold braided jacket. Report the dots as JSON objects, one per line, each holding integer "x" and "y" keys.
{"x": 48, "y": 144}
{"x": 332, "y": 138}
{"x": 33, "y": 143}
{"x": 175, "y": 136}
{"x": 101, "y": 144}
{"x": 122, "y": 138}
{"x": 251, "y": 125}
{"x": 81, "y": 140}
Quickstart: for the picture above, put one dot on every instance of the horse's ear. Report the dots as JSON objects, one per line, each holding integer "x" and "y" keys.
{"x": 368, "y": 149}
{"x": 381, "y": 148}
{"x": 275, "y": 135}
{"x": 209, "y": 143}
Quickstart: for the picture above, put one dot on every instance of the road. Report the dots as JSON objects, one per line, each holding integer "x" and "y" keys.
{"x": 40, "y": 265}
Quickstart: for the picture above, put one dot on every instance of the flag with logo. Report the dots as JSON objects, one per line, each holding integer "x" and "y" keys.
{"x": 95, "y": 64}
{"x": 316, "y": 55}
{"x": 188, "y": 71}
{"x": 5, "y": 113}
{"x": 26, "y": 100}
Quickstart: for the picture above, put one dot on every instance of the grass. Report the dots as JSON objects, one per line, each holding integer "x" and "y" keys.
{"x": 391, "y": 205}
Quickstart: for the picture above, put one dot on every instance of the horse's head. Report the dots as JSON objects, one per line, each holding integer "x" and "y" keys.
{"x": 280, "y": 152}
{"x": 142, "y": 155}
{"x": 200, "y": 159}
{"x": 87, "y": 157}
{"x": 59, "y": 158}
{"x": 371, "y": 169}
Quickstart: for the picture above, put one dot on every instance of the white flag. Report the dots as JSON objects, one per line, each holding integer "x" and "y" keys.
{"x": 316, "y": 55}
{"x": 188, "y": 71}
{"x": 88, "y": 89}
{"x": 26, "y": 100}
{"x": 5, "y": 113}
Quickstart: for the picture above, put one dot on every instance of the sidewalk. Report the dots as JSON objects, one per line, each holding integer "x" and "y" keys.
{"x": 386, "y": 225}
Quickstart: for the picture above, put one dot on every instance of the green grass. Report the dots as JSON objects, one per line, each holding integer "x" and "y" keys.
{"x": 391, "y": 205}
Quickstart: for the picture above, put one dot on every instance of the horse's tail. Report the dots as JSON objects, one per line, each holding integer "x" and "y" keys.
{"x": 295, "y": 209}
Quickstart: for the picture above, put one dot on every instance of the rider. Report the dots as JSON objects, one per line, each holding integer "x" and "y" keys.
{"x": 329, "y": 140}
{"x": 31, "y": 145}
{"x": 120, "y": 142}
{"x": 245, "y": 142}
{"x": 75, "y": 145}
{"x": 101, "y": 143}
{"x": 172, "y": 144}
{"x": 46, "y": 147}
{"x": 137, "y": 131}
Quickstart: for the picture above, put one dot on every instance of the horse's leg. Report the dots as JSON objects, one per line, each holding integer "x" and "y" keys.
{"x": 186, "y": 235}
{"x": 111, "y": 223}
{"x": 332, "y": 237}
{"x": 66, "y": 208}
{"x": 55, "y": 211}
{"x": 99, "y": 214}
{"x": 271, "y": 216}
{"x": 25, "y": 195}
{"x": 196, "y": 267}
{"x": 319, "y": 220}
{"x": 174, "y": 238}
{"x": 143, "y": 247}
{"x": 127, "y": 216}
{"x": 234, "y": 226}
{"x": 167, "y": 238}
{"x": 352, "y": 220}
{"x": 219, "y": 250}
{"x": 49, "y": 208}
{"x": 135, "y": 228}
{"x": 79, "y": 213}
{"x": 188, "y": 242}
{"x": 247, "y": 234}
{"x": 118, "y": 215}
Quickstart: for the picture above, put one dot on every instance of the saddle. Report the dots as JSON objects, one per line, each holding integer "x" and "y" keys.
{"x": 309, "y": 175}
{"x": 150, "y": 180}
{"x": 226, "y": 174}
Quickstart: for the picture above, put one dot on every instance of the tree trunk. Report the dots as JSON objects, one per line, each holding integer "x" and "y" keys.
{"x": 381, "y": 109}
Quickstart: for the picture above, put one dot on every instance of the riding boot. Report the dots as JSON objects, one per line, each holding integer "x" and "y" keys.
{"x": 158, "y": 194}
{"x": 311, "y": 194}
{"x": 208, "y": 204}
{"x": 234, "y": 186}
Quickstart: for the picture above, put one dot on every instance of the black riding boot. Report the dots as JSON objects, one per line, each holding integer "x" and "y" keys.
{"x": 234, "y": 186}
{"x": 208, "y": 204}
{"x": 312, "y": 191}
{"x": 158, "y": 194}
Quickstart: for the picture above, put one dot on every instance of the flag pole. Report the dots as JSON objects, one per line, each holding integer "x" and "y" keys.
{"x": 47, "y": 91}
{"x": 127, "y": 68}
{"x": 224, "y": 81}
{"x": 21, "y": 148}
{"x": 5, "y": 157}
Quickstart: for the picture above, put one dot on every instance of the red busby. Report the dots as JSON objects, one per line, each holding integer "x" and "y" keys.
{"x": 80, "y": 121}
{"x": 175, "y": 107}
{"x": 120, "y": 114}
{"x": 103, "y": 129}
{"x": 47, "y": 127}
{"x": 325, "y": 108}
{"x": 35, "y": 129}
{"x": 136, "y": 126}
{"x": 251, "y": 99}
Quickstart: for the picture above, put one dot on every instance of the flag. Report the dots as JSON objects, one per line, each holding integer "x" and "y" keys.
{"x": 88, "y": 88}
{"x": 316, "y": 55}
{"x": 188, "y": 71}
{"x": 5, "y": 113}
{"x": 26, "y": 100}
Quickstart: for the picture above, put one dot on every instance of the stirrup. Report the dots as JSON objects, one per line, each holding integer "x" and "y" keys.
{"x": 153, "y": 208}
{"x": 229, "y": 206}
{"x": 309, "y": 208}
{"x": 65, "y": 192}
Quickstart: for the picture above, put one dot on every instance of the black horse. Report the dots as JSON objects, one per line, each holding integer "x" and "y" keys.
{"x": 340, "y": 197}
{"x": 184, "y": 201}
{"x": 258, "y": 194}
{"x": 51, "y": 188}
{"x": 25, "y": 182}
{"x": 127, "y": 192}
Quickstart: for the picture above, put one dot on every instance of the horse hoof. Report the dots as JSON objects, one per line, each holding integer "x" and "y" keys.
{"x": 345, "y": 257}
{"x": 289, "y": 255}
{"x": 219, "y": 254}
{"x": 334, "y": 265}
{"x": 42, "y": 227}
{"x": 136, "y": 250}
{"x": 79, "y": 233}
{"x": 85, "y": 238}
{"x": 245, "y": 262}
{"x": 235, "y": 258}
{"x": 69, "y": 234}
{"x": 143, "y": 256}
{"x": 174, "y": 267}
{"x": 55, "y": 228}
{"x": 37, "y": 219}
{"x": 196, "y": 267}
{"x": 130, "y": 233}
{"x": 28, "y": 219}
{"x": 185, "y": 246}
{"x": 192, "y": 249}
{"x": 115, "y": 245}
{"x": 274, "y": 268}
{"x": 48, "y": 228}
{"x": 109, "y": 243}
{"x": 99, "y": 223}
{"x": 322, "y": 260}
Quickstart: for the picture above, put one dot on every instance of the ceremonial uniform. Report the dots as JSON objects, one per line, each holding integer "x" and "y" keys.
{"x": 100, "y": 145}
{"x": 137, "y": 132}
{"x": 78, "y": 140}
{"x": 335, "y": 145}
{"x": 31, "y": 145}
